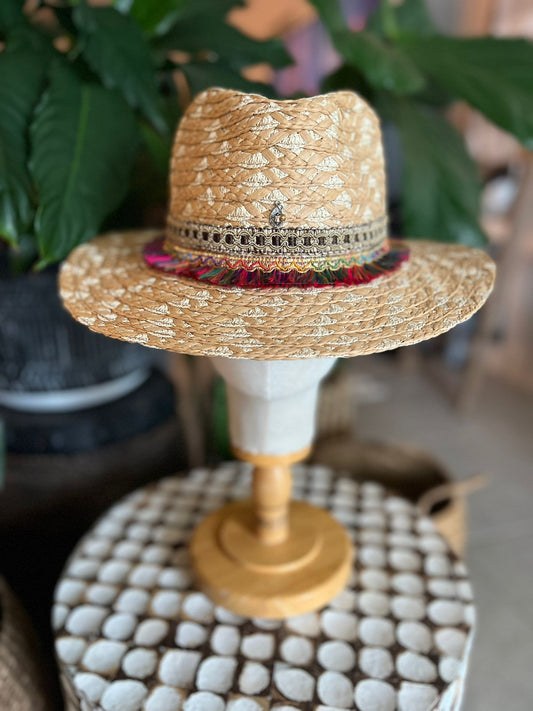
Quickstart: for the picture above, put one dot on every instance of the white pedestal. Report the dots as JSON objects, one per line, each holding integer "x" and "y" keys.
{"x": 272, "y": 404}
{"x": 270, "y": 556}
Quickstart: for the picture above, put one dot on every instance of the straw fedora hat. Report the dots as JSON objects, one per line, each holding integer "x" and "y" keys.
{"x": 276, "y": 245}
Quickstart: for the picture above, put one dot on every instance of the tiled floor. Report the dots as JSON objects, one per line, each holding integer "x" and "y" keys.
{"x": 496, "y": 439}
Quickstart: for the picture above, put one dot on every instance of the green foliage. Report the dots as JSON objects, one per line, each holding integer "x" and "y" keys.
{"x": 114, "y": 47}
{"x": 411, "y": 16}
{"x": 411, "y": 74}
{"x": 202, "y": 75}
{"x": 157, "y": 18}
{"x": 220, "y": 437}
{"x": 383, "y": 65}
{"x": 83, "y": 126}
{"x": 494, "y": 75}
{"x": 153, "y": 17}
{"x": 76, "y": 122}
{"x": 10, "y": 16}
{"x": 84, "y": 140}
{"x": 440, "y": 183}
{"x": 21, "y": 81}
{"x": 224, "y": 41}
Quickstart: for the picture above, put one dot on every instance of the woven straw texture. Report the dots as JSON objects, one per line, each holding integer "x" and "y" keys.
{"x": 106, "y": 285}
{"x": 321, "y": 157}
{"x": 133, "y": 632}
{"x": 22, "y": 683}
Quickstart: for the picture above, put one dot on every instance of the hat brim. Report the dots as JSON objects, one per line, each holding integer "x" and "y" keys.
{"x": 107, "y": 286}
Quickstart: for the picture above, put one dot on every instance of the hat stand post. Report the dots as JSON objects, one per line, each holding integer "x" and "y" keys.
{"x": 269, "y": 556}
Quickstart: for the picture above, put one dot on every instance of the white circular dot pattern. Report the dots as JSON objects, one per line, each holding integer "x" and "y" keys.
{"x": 134, "y": 634}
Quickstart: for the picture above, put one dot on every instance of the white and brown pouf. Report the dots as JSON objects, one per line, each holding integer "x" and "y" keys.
{"x": 133, "y": 632}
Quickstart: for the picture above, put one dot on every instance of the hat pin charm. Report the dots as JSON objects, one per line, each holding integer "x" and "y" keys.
{"x": 277, "y": 216}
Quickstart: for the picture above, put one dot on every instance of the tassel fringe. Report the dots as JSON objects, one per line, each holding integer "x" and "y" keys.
{"x": 208, "y": 269}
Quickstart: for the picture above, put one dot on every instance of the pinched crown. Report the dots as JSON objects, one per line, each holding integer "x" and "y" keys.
{"x": 277, "y": 193}
{"x": 240, "y": 158}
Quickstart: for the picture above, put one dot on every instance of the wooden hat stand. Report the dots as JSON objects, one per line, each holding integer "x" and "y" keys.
{"x": 271, "y": 557}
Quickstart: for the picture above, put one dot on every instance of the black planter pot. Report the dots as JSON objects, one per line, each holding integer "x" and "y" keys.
{"x": 43, "y": 349}
{"x": 63, "y": 388}
{"x": 146, "y": 407}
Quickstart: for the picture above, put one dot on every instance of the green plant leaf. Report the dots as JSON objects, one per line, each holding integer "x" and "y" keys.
{"x": 441, "y": 186}
{"x": 21, "y": 259}
{"x": 11, "y": 15}
{"x": 384, "y": 66}
{"x": 413, "y": 16}
{"x": 84, "y": 141}
{"x": 29, "y": 37}
{"x": 203, "y": 75}
{"x": 114, "y": 47}
{"x": 204, "y": 8}
{"x": 123, "y": 6}
{"x": 225, "y": 41}
{"x": 22, "y": 75}
{"x": 155, "y": 17}
{"x": 330, "y": 13}
{"x": 494, "y": 75}
{"x": 158, "y": 147}
{"x": 346, "y": 77}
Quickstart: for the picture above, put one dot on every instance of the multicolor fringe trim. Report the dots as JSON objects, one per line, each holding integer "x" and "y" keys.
{"x": 236, "y": 273}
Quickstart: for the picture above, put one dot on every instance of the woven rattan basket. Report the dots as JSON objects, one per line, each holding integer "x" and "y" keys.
{"x": 407, "y": 470}
{"x": 22, "y": 682}
{"x": 452, "y": 522}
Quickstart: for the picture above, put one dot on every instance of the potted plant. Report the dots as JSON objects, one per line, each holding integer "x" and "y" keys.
{"x": 90, "y": 99}
{"x": 91, "y": 96}
{"x": 412, "y": 74}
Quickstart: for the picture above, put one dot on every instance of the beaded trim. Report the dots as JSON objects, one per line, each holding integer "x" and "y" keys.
{"x": 300, "y": 242}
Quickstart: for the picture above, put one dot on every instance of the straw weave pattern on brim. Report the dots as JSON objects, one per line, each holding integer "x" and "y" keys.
{"x": 107, "y": 286}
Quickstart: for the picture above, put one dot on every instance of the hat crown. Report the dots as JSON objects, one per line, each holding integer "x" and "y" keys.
{"x": 245, "y": 160}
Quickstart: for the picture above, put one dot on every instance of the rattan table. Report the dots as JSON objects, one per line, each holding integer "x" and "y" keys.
{"x": 133, "y": 632}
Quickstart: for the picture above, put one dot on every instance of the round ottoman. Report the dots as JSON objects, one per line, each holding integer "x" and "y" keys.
{"x": 133, "y": 632}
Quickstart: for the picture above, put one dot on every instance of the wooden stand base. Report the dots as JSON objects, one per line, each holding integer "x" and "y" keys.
{"x": 243, "y": 574}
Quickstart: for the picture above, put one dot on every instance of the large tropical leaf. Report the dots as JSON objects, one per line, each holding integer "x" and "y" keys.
{"x": 11, "y": 15}
{"x": 383, "y": 65}
{"x": 84, "y": 142}
{"x": 156, "y": 18}
{"x": 410, "y": 15}
{"x": 153, "y": 17}
{"x": 225, "y": 41}
{"x": 346, "y": 77}
{"x": 413, "y": 15}
{"x": 115, "y": 48}
{"x": 21, "y": 82}
{"x": 493, "y": 75}
{"x": 441, "y": 186}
